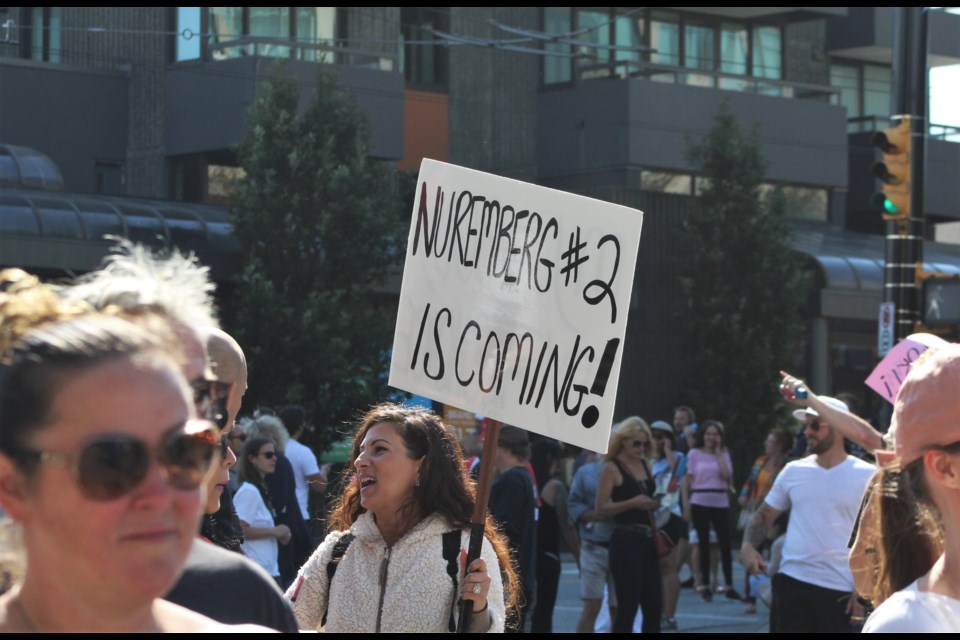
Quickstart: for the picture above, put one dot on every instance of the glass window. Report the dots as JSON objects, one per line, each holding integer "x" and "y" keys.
{"x": 225, "y": 25}
{"x": 53, "y": 33}
{"x": 628, "y": 32}
{"x": 317, "y": 25}
{"x": 99, "y": 219}
{"x": 733, "y": 48}
{"x": 845, "y": 78}
{"x": 44, "y": 38}
{"x": 665, "y": 39}
{"x": 593, "y": 27}
{"x": 876, "y": 90}
{"x": 270, "y": 22}
{"x": 424, "y": 63}
{"x": 557, "y": 68}
{"x": 188, "y": 33}
{"x": 698, "y": 53}
{"x": 144, "y": 225}
{"x": 733, "y": 55}
{"x": 59, "y": 220}
{"x": 805, "y": 203}
{"x": 666, "y": 182}
{"x": 767, "y": 53}
{"x": 16, "y": 216}
{"x": 9, "y": 171}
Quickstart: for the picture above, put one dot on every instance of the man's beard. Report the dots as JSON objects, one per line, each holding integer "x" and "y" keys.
{"x": 823, "y": 445}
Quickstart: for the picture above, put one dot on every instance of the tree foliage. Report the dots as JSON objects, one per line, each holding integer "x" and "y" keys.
{"x": 743, "y": 286}
{"x": 319, "y": 225}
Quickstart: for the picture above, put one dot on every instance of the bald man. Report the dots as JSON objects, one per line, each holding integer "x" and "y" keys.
{"x": 229, "y": 365}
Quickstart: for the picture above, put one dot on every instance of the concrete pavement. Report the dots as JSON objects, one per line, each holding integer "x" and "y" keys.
{"x": 693, "y": 614}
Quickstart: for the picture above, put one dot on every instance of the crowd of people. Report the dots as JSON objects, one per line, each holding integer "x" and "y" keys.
{"x": 137, "y": 498}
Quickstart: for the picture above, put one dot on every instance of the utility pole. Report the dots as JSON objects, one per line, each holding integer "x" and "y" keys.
{"x": 904, "y": 235}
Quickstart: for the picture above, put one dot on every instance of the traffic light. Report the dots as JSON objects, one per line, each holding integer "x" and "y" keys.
{"x": 939, "y": 299}
{"x": 894, "y": 171}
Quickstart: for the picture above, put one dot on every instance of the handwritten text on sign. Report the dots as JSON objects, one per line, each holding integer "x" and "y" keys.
{"x": 887, "y": 377}
{"x": 514, "y": 302}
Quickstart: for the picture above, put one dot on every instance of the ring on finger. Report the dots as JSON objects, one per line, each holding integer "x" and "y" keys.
{"x": 477, "y": 587}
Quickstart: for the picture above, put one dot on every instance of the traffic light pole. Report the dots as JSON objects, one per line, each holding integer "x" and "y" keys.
{"x": 904, "y": 238}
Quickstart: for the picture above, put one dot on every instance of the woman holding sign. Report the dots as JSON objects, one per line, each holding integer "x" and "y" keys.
{"x": 626, "y": 493}
{"x": 395, "y": 560}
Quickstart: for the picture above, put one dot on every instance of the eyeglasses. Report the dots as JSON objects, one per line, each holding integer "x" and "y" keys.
{"x": 110, "y": 466}
{"x": 210, "y": 399}
{"x": 268, "y": 454}
{"x": 640, "y": 443}
{"x": 813, "y": 425}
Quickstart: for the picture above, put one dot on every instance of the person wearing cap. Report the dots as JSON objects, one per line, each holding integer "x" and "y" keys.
{"x": 668, "y": 471}
{"x": 513, "y": 505}
{"x": 814, "y": 590}
{"x": 918, "y": 516}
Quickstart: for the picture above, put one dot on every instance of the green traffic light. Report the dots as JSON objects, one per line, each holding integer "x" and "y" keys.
{"x": 890, "y": 207}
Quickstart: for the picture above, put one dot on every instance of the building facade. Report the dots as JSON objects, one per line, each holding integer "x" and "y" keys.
{"x": 149, "y": 103}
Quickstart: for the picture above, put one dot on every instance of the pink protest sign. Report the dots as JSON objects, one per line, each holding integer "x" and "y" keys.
{"x": 887, "y": 377}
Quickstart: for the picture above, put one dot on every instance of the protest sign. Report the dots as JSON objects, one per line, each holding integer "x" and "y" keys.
{"x": 514, "y": 302}
{"x": 887, "y": 376}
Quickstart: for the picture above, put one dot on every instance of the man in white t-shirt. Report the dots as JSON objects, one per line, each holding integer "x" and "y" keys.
{"x": 814, "y": 591}
{"x": 306, "y": 471}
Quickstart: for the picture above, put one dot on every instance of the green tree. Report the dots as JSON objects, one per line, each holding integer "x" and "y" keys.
{"x": 743, "y": 287}
{"x": 319, "y": 225}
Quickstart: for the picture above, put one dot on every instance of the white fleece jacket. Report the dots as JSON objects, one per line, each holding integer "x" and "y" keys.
{"x": 417, "y": 594}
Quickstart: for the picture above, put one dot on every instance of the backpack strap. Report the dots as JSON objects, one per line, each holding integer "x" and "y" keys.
{"x": 451, "y": 553}
{"x": 339, "y": 549}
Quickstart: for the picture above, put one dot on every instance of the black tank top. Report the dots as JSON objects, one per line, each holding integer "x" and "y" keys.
{"x": 630, "y": 488}
{"x": 548, "y": 530}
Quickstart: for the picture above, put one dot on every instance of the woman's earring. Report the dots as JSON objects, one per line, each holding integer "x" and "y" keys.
{"x": 417, "y": 483}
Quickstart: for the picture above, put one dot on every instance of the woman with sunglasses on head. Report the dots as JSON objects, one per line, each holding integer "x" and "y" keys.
{"x": 101, "y": 464}
{"x": 395, "y": 560}
{"x": 706, "y": 500}
{"x": 626, "y": 493}
{"x": 262, "y": 536}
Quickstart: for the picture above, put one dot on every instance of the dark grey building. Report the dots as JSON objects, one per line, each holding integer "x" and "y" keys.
{"x": 150, "y": 102}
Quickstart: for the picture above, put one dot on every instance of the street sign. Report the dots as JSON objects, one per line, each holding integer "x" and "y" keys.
{"x": 885, "y": 328}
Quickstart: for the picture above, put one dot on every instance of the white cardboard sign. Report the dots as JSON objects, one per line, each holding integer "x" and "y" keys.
{"x": 514, "y": 302}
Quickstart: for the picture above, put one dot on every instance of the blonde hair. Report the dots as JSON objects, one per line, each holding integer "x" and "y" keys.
{"x": 626, "y": 429}
{"x": 26, "y": 303}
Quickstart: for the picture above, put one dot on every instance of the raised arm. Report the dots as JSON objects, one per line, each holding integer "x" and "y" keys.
{"x": 850, "y": 426}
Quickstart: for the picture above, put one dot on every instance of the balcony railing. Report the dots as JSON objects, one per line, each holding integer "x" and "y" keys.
{"x": 324, "y": 52}
{"x": 868, "y": 124}
{"x": 710, "y": 79}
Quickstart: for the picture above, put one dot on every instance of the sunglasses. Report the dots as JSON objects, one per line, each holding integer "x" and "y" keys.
{"x": 640, "y": 443}
{"x": 111, "y": 466}
{"x": 210, "y": 399}
{"x": 813, "y": 425}
{"x": 269, "y": 455}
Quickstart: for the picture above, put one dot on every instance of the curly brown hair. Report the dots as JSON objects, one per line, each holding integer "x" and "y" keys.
{"x": 445, "y": 487}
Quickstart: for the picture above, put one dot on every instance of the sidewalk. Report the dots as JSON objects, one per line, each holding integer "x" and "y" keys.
{"x": 693, "y": 614}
